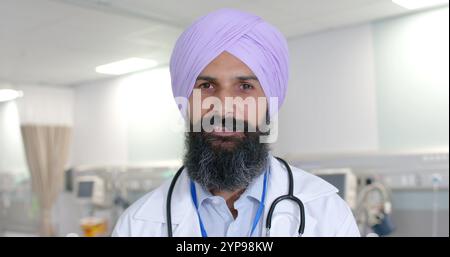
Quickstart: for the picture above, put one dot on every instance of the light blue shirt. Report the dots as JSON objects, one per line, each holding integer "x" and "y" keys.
{"x": 217, "y": 218}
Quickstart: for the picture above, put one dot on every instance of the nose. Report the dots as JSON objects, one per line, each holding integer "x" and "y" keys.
{"x": 226, "y": 96}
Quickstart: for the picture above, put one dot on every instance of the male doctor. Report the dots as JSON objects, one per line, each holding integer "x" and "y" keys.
{"x": 230, "y": 178}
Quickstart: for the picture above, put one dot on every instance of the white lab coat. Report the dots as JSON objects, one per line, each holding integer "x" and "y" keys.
{"x": 326, "y": 214}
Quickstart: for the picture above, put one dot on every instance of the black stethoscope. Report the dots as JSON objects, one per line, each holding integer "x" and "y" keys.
{"x": 288, "y": 196}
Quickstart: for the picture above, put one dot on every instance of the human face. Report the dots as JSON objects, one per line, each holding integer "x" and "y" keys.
{"x": 227, "y": 78}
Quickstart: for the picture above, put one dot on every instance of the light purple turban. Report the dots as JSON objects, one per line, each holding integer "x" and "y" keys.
{"x": 248, "y": 37}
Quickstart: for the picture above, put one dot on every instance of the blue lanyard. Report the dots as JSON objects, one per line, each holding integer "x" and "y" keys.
{"x": 258, "y": 212}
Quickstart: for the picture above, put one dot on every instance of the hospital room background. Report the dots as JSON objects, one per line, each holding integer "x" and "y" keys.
{"x": 86, "y": 108}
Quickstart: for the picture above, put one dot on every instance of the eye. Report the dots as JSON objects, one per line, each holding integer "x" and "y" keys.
{"x": 246, "y": 86}
{"x": 205, "y": 86}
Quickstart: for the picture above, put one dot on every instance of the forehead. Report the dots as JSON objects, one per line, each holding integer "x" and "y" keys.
{"x": 226, "y": 63}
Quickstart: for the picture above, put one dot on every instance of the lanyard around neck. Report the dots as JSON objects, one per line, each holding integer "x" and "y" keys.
{"x": 258, "y": 212}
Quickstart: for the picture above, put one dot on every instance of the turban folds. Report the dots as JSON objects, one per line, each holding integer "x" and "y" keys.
{"x": 255, "y": 42}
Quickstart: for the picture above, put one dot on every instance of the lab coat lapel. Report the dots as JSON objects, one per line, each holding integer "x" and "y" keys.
{"x": 184, "y": 216}
{"x": 185, "y": 219}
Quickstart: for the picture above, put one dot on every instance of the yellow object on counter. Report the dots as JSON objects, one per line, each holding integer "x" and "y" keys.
{"x": 94, "y": 226}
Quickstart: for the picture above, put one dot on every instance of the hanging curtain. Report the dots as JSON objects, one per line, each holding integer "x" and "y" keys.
{"x": 47, "y": 152}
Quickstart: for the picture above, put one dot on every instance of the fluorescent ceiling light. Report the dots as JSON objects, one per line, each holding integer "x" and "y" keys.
{"x": 9, "y": 94}
{"x": 126, "y": 66}
{"x": 417, "y": 4}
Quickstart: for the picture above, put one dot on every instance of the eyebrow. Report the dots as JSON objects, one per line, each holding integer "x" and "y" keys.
{"x": 251, "y": 77}
{"x": 212, "y": 79}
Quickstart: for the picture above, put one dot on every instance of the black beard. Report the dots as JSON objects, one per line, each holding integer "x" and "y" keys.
{"x": 221, "y": 168}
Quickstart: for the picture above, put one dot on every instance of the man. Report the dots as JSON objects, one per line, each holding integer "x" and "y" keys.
{"x": 231, "y": 69}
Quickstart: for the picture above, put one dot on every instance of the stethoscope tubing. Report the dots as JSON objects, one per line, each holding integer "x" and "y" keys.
{"x": 289, "y": 196}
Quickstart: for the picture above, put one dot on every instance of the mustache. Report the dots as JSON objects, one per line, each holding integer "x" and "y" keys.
{"x": 208, "y": 123}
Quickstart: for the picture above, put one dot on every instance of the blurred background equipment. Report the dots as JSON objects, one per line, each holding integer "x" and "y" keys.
{"x": 344, "y": 180}
{"x": 91, "y": 188}
{"x": 101, "y": 193}
{"x": 396, "y": 194}
{"x": 374, "y": 209}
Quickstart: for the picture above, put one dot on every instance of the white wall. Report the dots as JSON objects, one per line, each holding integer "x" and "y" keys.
{"x": 100, "y": 128}
{"x": 45, "y": 105}
{"x": 330, "y": 105}
{"x": 12, "y": 155}
{"x": 412, "y": 65}
{"x": 126, "y": 120}
{"x": 381, "y": 86}
{"x": 152, "y": 117}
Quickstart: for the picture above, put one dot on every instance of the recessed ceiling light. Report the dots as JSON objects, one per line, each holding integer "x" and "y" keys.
{"x": 126, "y": 66}
{"x": 9, "y": 94}
{"x": 417, "y": 4}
